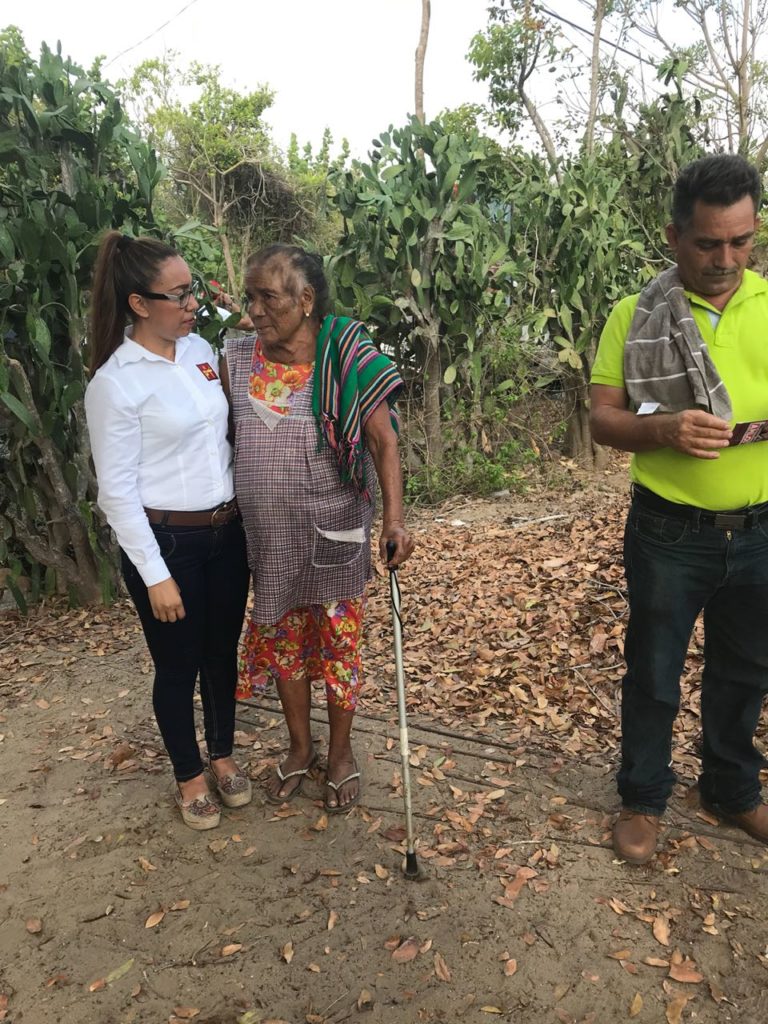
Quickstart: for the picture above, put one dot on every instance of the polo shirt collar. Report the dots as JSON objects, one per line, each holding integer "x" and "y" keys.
{"x": 751, "y": 284}
{"x": 129, "y": 351}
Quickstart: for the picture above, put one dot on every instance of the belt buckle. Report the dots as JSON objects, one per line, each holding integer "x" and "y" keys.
{"x": 724, "y": 521}
{"x": 220, "y": 516}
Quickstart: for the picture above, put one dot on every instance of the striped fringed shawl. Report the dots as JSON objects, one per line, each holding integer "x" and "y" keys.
{"x": 351, "y": 379}
{"x": 666, "y": 359}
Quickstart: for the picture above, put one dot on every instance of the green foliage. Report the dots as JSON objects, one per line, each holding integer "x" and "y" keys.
{"x": 506, "y": 54}
{"x": 223, "y": 170}
{"x": 69, "y": 169}
{"x": 423, "y": 249}
{"x": 465, "y": 470}
{"x": 416, "y": 220}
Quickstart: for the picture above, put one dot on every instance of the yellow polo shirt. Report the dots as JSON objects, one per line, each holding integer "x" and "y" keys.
{"x": 738, "y": 346}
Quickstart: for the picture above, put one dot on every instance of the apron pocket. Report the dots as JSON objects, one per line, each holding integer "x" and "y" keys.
{"x": 335, "y": 548}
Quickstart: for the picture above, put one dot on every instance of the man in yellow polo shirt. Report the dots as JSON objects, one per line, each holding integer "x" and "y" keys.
{"x": 697, "y": 531}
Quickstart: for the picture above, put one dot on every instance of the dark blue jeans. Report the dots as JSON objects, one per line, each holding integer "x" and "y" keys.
{"x": 211, "y": 570}
{"x": 674, "y": 570}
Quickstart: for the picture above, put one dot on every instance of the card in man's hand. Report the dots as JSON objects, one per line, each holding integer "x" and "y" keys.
{"x": 748, "y": 433}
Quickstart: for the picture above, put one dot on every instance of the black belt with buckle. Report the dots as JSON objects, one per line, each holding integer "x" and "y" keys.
{"x": 737, "y": 519}
{"x": 219, "y": 516}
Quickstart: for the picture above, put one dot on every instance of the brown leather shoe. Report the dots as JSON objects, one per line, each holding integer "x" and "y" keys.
{"x": 635, "y": 835}
{"x": 754, "y": 822}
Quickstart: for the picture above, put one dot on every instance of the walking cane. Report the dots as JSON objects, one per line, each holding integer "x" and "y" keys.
{"x": 411, "y": 865}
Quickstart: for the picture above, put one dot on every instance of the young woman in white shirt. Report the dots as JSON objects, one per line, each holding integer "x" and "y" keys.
{"x": 157, "y": 418}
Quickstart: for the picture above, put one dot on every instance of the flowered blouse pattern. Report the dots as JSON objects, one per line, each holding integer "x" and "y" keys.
{"x": 276, "y": 384}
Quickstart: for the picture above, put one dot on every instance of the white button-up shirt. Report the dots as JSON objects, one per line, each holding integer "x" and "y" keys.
{"x": 158, "y": 434}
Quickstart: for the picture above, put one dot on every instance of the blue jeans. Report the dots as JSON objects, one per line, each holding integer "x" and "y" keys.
{"x": 211, "y": 570}
{"x": 675, "y": 569}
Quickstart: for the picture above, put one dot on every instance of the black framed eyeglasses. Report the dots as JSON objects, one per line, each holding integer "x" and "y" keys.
{"x": 180, "y": 298}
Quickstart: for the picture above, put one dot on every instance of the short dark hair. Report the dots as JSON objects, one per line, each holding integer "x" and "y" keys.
{"x": 307, "y": 268}
{"x": 720, "y": 180}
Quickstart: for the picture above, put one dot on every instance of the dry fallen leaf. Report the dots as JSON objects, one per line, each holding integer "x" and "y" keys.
{"x": 34, "y": 925}
{"x": 617, "y": 906}
{"x": 321, "y": 824}
{"x": 395, "y": 834}
{"x": 186, "y": 1012}
{"x": 441, "y": 968}
{"x": 333, "y": 917}
{"x": 231, "y": 948}
{"x": 287, "y": 952}
{"x": 98, "y": 985}
{"x": 180, "y": 905}
{"x": 621, "y": 954}
{"x": 121, "y": 753}
{"x": 510, "y": 968}
{"x": 685, "y": 972}
{"x": 406, "y": 951}
{"x": 154, "y": 919}
{"x": 315, "y": 968}
{"x": 661, "y": 930}
{"x": 381, "y": 871}
{"x": 146, "y": 865}
{"x": 490, "y": 1009}
{"x": 675, "y": 1009}
{"x": 716, "y": 992}
{"x": 120, "y": 971}
{"x": 364, "y": 999}
{"x": 636, "y": 1005}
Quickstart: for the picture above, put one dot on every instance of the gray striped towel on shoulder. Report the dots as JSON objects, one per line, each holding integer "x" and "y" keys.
{"x": 665, "y": 357}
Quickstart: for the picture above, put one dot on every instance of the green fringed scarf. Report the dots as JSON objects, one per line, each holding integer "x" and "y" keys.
{"x": 351, "y": 378}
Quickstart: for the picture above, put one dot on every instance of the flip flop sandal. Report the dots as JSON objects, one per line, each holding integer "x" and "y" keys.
{"x": 302, "y": 772}
{"x": 336, "y": 786}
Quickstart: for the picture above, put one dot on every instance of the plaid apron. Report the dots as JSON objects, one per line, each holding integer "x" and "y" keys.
{"x": 308, "y": 534}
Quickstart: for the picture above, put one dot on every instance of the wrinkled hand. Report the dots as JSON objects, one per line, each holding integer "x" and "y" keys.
{"x": 694, "y": 432}
{"x": 403, "y": 541}
{"x": 165, "y": 599}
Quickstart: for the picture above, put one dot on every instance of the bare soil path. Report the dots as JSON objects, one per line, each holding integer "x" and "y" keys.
{"x": 112, "y": 912}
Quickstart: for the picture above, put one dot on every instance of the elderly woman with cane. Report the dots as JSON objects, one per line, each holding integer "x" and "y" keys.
{"x": 157, "y": 418}
{"x": 313, "y": 404}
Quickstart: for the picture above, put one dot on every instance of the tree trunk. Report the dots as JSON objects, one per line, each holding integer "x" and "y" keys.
{"x": 594, "y": 78}
{"x": 579, "y": 445}
{"x": 745, "y": 70}
{"x": 543, "y": 132}
{"x": 432, "y": 379}
{"x": 228, "y": 261}
{"x": 421, "y": 51}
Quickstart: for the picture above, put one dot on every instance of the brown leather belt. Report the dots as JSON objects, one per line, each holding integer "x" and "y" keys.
{"x": 219, "y": 516}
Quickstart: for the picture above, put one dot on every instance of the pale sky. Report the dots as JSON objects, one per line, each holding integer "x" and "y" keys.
{"x": 348, "y": 64}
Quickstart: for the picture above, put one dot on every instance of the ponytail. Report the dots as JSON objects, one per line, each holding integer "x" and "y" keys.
{"x": 124, "y": 265}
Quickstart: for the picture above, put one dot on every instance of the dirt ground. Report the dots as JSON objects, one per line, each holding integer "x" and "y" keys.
{"x": 112, "y": 912}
